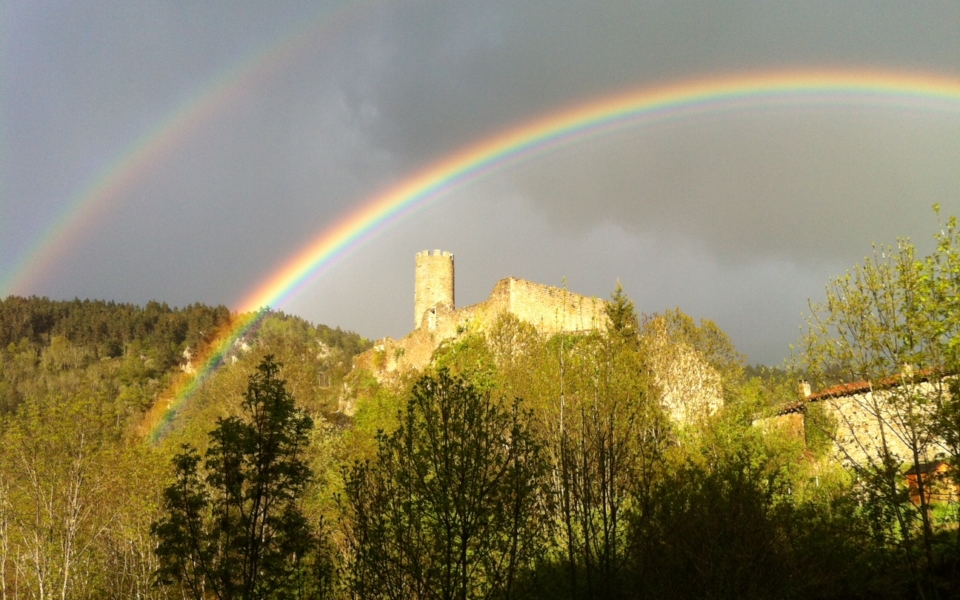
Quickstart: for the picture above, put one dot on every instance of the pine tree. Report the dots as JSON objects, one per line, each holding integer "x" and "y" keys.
{"x": 622, "y": 315}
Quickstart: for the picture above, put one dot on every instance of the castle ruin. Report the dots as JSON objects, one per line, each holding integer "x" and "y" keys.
{"x": 689, "y": 386}
{"x": 437, "y": 319}
{"x": 433, "y": 286}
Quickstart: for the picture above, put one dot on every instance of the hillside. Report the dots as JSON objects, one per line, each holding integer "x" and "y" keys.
{"x": 137, "y": 442}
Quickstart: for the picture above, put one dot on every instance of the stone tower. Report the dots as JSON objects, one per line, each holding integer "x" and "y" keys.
{"x": 434, "y": 284}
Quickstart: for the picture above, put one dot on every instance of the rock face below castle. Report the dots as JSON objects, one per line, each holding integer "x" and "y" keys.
{"x": 549, "y": 309}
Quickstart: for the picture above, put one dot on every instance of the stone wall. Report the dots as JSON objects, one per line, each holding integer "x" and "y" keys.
{"x": 549, "y": 309}
{"x": 690, "y": 387}
{"x": 865, "y": 421}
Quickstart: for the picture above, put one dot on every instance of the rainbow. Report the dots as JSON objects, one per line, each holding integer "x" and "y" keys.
{"x": 158, "y": 142}
{"x": 828, "y": 89}
{"x": 630, "y": 109}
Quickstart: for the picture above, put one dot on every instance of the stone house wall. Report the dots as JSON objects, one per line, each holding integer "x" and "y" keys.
{"x": 868, "y": 420}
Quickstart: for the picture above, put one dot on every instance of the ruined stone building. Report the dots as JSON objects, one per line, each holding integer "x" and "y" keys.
{"x": 437, "y": 319}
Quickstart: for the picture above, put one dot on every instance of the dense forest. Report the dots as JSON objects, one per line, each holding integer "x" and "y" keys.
{"x": 517, "y": 465}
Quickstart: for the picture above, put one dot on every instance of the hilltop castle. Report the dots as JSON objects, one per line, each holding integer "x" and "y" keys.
{"x": 436, "y": 317}
{"x": 689, "y": 386}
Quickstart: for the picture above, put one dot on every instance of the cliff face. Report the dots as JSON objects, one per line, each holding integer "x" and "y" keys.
{"x": 688, "y": 385}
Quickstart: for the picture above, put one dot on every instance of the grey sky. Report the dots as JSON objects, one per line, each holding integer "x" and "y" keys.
{"x": 739, "y": 217}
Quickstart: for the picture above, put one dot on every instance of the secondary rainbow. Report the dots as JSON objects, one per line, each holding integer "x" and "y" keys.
{"x": 739, "y": 93}
{"x": 158, "y": 142}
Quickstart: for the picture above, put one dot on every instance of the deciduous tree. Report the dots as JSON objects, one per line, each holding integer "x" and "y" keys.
{"x": 889, "y": 324}
{"x": 450, "y": 506}
{"x": 233, "y": 529}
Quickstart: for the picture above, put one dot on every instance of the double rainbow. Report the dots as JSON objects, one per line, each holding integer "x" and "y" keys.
{"x": 828, "y": 89}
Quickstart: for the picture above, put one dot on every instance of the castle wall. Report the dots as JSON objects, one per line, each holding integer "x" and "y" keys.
{"x": 549, "y": 309}
{"x": 689, "y": 385}
{"x": 433, "y": 286}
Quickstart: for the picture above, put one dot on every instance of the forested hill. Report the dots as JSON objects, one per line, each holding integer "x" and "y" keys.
{"x": 109, "y": 327}
{"x": 47, "y": 344}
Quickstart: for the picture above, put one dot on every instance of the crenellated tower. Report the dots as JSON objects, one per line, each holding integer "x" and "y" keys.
{"x": 434, "y": 284}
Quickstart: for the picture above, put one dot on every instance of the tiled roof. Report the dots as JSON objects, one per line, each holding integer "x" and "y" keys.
{"x": 851, "y": 389}
{"x": 860, "y": 387}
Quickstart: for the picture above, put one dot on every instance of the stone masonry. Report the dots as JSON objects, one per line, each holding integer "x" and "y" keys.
{"x": 867, "y": 417}
{"x": 437, "y": 319}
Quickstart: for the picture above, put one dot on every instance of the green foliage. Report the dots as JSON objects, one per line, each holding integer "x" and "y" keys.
{"x": 74, "y": 497}
{"x": 622, "y": 315}
{"x": 771, "y": 386}
{"x": 78, "y": 490}
{"x": 451, "y": 489}
{"x": 609, "y": 437}
{"x": 108, "y": 327}
{"x": 707, "y": 339}
{"x": 235, "y": 529}
{"x": 891, "y": 323}
{"x": 449, "y": 508}
{"x": 376, "y": 412}
{"x": 873, "y": 322}
{"x": 728, "y": 530}
{"x": 468, "y": 356}
{"x": 820, "y": 428}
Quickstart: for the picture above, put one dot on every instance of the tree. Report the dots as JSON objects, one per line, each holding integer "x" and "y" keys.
{"x": 450, "y": 506}
{"x": 622, "y": 315}
{"x": 890, "y": 325}
{"x": 234, "y": 529}
{"x": 53, "y": 471}
{"x": 606, "y": 447}
{"x": 940, "y": 301}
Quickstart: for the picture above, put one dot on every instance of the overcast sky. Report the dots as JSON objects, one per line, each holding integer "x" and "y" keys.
{"x": 738, "y": 217}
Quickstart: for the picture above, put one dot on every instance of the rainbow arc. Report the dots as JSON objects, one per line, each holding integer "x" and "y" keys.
{"x": 633, "y": 109}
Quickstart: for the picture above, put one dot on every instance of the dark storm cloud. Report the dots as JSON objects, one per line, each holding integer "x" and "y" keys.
{"x": 473, "y": 66}
{"x": 807, "y": 189}
{"x": 804, "y": 187}
{"x": 738, "y": 218}
{"x": 275, "y": 161}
